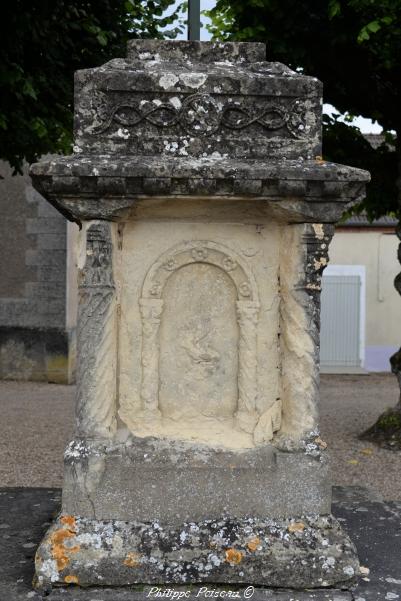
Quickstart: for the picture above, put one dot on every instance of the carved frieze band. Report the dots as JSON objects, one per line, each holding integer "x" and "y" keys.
{"x": 151, "y": 305}
{"x": 202, "y": 114}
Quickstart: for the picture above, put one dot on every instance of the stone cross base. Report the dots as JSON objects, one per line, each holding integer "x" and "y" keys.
{"x": 308, "y": 551}
{"x": 189, "y": 513}
{"x": 207, "y": 213}
{"x": 173, "y": 482}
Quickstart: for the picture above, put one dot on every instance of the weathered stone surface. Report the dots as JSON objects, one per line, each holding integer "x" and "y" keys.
{"x": 172, "y": 482}
{"x": 147, "y": 255}
{"x": 200, "y": 100}
{"x": 96, "y": 371}
{"x": 306, "y": 551}
{"x": 198, "y": 334}
{"x": 190, "y": 119}
{"x": 107, "y": 187}
{"x": 199, "y": 51}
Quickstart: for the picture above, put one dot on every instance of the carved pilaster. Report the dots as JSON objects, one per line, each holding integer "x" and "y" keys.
{"x": 97, "y": 336}
{"x": 247, "y": 313}
{"x": 151, "y": 310}
{"x": 300, "y": 287}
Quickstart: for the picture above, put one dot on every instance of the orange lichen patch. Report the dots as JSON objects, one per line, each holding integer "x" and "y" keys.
{"x": 132, "y": 559}
{"x": 59, "y": 551}
{"x": 69, "y": 521}
{"x": 322, "y": 444}
{"x": 253, "y": 544}
{"x": 234, "y": 556}
{"x": 71, "y": 579}
{"x": 319, "y": 160}
{"x": 296, "y": 527}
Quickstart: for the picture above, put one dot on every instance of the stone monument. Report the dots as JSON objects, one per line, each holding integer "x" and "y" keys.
{"x": 206, "y": 213}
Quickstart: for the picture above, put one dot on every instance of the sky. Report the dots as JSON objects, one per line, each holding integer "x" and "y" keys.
{"x": 365, "y": 125}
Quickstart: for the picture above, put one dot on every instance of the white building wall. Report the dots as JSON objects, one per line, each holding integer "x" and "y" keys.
{"x": 377, "y": 251}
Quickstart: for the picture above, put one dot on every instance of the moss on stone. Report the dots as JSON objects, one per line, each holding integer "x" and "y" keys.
{"x": 389, "y": 421}
{"x": 386, "y": 432}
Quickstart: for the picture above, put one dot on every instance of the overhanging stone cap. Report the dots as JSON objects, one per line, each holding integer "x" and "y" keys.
{"x": 91, "y": 187}
{"x": 193, "y": 50}
{"x": 209, "y": 167}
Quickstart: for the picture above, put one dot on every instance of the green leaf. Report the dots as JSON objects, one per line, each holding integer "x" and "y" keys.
{"x": 373, "y": 26}
{"x": 363, "y": 35}
{"x": 28, "y": 90}
{"x": 3, "y": 122}
{"x": 102, "y": 38}
{"x": 334, "y": 9}
{"x": 39, "y": 127}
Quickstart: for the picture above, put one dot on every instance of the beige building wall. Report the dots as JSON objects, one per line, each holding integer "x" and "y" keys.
{"x": 376, "y": 249}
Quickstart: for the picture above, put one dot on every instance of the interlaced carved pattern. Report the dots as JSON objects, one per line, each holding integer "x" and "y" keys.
{"x": 200, "y": 114}
{"x": 237, "y": 117}
{"x": 163, "y": 115}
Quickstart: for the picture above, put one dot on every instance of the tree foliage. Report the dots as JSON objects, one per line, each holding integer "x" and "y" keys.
{"x": 354, "y": 47}
{"x": 42, "y": 44}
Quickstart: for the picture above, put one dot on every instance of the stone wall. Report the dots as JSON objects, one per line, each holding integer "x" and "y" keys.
{"x": 34, "y": 342}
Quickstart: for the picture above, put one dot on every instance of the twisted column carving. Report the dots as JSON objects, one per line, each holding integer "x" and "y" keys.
{"x": 97, "y": 337}
{"x": 151, "y": 310}
{"x": 304, "y": 255}
{"x": 247, "y": 313}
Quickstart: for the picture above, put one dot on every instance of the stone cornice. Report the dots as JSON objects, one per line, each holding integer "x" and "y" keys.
{"x": 92, "y": 186}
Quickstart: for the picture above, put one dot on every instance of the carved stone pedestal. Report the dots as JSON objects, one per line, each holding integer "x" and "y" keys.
{"x": 206, "y": 216}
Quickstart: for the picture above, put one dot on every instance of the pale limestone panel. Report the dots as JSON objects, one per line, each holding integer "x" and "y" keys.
{"x": 143, "y": 243}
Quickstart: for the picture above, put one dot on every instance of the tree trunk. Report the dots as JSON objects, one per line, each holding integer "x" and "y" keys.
{"x": 386, "y": 431}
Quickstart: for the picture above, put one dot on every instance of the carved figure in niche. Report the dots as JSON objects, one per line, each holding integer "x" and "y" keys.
{"x": 196, "y": 342}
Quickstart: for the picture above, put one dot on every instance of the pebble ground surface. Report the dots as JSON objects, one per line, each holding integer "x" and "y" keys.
{"x": 38, "y": 420}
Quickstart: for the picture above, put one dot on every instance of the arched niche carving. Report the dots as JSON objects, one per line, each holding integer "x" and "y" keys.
{"x": 247, "y": 309}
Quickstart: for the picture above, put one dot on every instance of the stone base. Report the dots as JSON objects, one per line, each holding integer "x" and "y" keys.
{"x": 173, "y": 482}
{"x": 311, "y": 552}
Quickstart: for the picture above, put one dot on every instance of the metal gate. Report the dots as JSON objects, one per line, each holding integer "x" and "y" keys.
{"x": 342, "y": 321}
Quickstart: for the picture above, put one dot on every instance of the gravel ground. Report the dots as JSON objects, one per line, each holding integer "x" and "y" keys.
{"x": 37, "y": 422}
{"x": 349, "y": 405}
